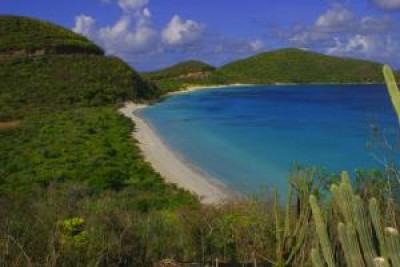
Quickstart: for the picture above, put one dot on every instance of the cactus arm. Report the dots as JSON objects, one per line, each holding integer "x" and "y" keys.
{"x": 345, "y": 244}
{"x": 316, "y": 258}
{"x": 356, "y": 255}
{"x": 393, "y": 89}
{"x": 376, "y": 222}
{"x": 381, "y": 262}
{"x": 393, "y": 245}
{"x": 321, "y": 232}
{"x": 364, "y": 233}
{"x": 278, "y": 228}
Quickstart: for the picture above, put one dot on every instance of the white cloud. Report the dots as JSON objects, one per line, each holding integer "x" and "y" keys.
{"x": 358, "y": 43}
{"x": 390, "y": 5}
{"x": 335, "y": 17}
{"x": 84, "y": 25}
{"x": 256, "y": 45}
{"x": 339, "y": 31}
{"x": 132, "y": 5}
{"x": 124, "y": 37}
{"x": 132, "y": 33}
{"x": 180, "y": 32}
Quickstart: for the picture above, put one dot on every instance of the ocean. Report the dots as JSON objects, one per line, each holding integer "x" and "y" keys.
{"x": 250, "y": 138}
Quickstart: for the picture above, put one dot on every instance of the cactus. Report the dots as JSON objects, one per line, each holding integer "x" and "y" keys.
{"x": 392, "y": 88}
{"x": 316, "y": 258}
{"x": 392, "y": 239}
{"x": 381, "y": 262}
{"x": 360, "y": 245}
{"x": 292, "y": 236}
{"x": 321, "y": 232}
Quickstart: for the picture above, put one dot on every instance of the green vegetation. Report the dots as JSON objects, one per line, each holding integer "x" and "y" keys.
{"x": 75, "y": 190}
{"x": 292, "y": 66}
{"x": 50, "y": 83}
{"x": 180, "y": 70}
{"x": 182, "y": 75}
{"x": 364, "y": 241}
{"x": 27, "y": 36}
{"x": 298, "y": 66}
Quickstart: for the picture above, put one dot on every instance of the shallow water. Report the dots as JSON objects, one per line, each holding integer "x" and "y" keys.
{"x": 250, "y": 137}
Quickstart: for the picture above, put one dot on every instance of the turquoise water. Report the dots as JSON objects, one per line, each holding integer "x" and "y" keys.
{"x": 250, "y": 137}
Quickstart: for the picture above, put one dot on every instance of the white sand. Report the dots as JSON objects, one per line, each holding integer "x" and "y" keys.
{"x": 192, "y": 88}
{"x": 171, "y": 166}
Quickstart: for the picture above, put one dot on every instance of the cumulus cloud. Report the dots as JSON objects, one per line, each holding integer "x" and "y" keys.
{"x": 133, "y": 35}
{"x": 256, "y": 45}
{"x": 390, "y": 5}
{"x": 339, "y": 31}
{"x": 84, "y": 25}
{"x": 180, "y": 32}
{"x": 132, "y": 5}
{"x": 336, "y": 17}
{"x": 128, "y": 36}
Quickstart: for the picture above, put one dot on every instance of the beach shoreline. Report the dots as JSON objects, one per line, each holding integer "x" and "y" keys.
{"x": 192, "y": 88}
{"x": 171, "y": 166}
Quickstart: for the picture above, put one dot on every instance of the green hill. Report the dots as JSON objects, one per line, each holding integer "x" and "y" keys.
{"x": 25, "y": 36}
{"x": 181, "y": 70}
{"x": 59, "y": 125}
{"x": 183, "y": 74}
{"x": 299, "y": 66}
{"x": 70, "y": 71}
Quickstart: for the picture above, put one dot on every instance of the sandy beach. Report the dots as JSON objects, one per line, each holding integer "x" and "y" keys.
{"x": 171, "y": 166}
{"x": 192, "y": 88}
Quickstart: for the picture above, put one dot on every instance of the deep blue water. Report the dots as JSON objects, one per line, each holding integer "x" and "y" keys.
{"x": 250, "y": 137}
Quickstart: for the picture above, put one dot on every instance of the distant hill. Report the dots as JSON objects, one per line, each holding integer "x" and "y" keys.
{"x": 187, "y": 69}
{"x": 47, "y": 67}
{"x": 299, "y": 66}
{"x": 289, "y": 65}
{"x": 183, "y": 74}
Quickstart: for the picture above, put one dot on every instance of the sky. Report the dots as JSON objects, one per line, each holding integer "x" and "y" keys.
{"x": 152, "y": 34}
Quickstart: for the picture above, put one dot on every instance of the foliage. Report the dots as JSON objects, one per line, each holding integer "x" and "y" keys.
{"x": 363, "y": 239}
{"x": 299, "y": 66}
{"x": 87, "y": 145}
{"x": 180, "y": 69}
{"x": 50, "y": 83}
{"x": 21, "y": 35}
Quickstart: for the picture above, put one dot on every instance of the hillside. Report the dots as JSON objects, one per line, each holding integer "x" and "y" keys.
{"x": 299, "y": 66}
{"x": 183, "y": 74}
{"x": 280, "y": 66}
{"x": 59, "y": 122}
{"x": 181, "y": 70}
{"x": 27, "y": 36}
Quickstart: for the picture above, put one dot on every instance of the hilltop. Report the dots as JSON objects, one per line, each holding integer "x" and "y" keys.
{"x": 186, "y": 69}
{"x": 44, "y": 66}
{"x": 180, "y": 75}
{"x": 293, "y": 66}
{"x": 59, "y": 122}
{"x": 300, "y": 66}
{"x": 28, "y": 36}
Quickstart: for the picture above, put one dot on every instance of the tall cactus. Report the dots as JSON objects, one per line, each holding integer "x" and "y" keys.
{"x": 392, "y": 88}
{"x": 292, "y": 236}
{"x": 360, "y": 245}
{"x": 363, "y": 240}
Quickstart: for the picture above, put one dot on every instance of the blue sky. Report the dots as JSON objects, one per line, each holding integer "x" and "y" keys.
{"x": 151, "y": 34}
